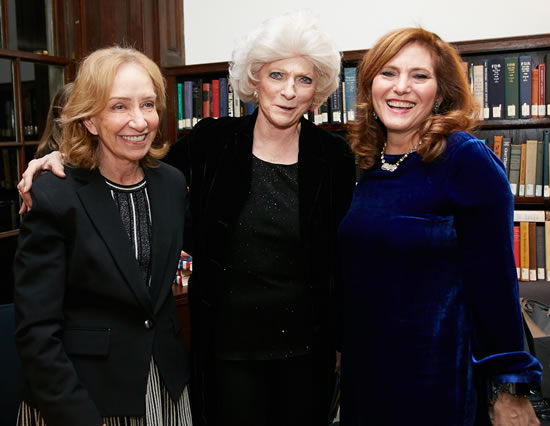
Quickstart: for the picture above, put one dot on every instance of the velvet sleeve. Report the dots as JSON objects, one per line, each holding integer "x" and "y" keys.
{"x": 484, "y": 208}
{"x": 40, "y": 282}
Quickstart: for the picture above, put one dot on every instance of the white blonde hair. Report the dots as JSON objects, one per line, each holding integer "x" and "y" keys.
{"x": 293, "y": 34}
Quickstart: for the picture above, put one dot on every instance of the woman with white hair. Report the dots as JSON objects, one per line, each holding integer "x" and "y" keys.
{"x": 267, "y": 193}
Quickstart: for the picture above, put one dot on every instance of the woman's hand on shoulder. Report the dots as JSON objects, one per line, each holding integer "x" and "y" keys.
{"x": 511, "y": 410}
{"x": 53, "y": 161}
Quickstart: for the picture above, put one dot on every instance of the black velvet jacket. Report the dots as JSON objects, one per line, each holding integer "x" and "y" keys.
{"x": 216, "y": 159}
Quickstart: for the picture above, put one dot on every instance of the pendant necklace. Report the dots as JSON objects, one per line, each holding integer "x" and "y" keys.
{"x": 393, "y": 167}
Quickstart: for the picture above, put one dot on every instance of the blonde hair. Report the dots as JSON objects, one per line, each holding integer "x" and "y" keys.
{"x": 53, "y": 132}
{"x": 286, "y": 36}
{"x": 89, "y": 96}
{"x": 457, "y": 110}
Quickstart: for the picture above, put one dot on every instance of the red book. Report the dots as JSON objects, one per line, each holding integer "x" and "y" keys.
{"x": 517, "y": 248}
{"x": 215, "y": 98}
{"x": 535, "y": 93}
{"x": 542, "y": 89}
{"x": 206, "y": 99}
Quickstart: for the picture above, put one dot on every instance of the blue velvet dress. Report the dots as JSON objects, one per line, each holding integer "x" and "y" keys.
{"x": 431, "y": 307}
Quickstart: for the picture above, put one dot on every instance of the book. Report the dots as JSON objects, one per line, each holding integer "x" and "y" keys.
{"x": 197, "y": 101}
{"x": 541, "y": 256}
{"x": 336, "y": 106}
{"x": 545, "y": 165}
{"x": 486, "y": 108}
{"x": 530, "y": 167}
{"x": 515, "y": 162}
{"x": 350, "y": 78}
{"x": 539, "y": 169}
{"x": 223, "y": 97}
{"x": 180, "y": 105}
{"x": 546, "y": 80}
{"x": 547, "y": 248}
{"x": 542, "y": 89}
{"x": 525, "y": 86}
{"x": 524, "y": 250}
{"x": 215, "y": 85}
{"x": 230, "y": 100}
{"x": 506, "y": 146}
{"x": 511, "y": 87}
{"x": 529, "y": 216}
{"x": 187, "y": 104}
{"x": 236, "y": 105}
{"x": 206, "y": 99}
{"x": 496, "y": 88}
{"x": 534, "y": 93}
{"x": 477, "y": 85}
{"x": 497, "y": 145}
{"x": 517, "y": 249}
{"x": 532, "y": 251}
{"x": 521, "y": 188}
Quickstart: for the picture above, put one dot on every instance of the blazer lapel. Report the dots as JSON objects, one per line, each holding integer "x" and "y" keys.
{"x": 312, "y": 170}
{"x": 163, "y": 244}
{"x": 101, "y": 209}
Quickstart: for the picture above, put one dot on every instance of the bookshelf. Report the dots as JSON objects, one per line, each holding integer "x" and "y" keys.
{"x": 34, "y": 63}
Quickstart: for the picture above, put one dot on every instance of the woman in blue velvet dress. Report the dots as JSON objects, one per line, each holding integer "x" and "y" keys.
{"x": 433, "y": 332}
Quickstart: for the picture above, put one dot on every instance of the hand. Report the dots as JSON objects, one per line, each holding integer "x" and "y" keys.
{"x": 510, "y": 410}
{"x": 53, "y": 161}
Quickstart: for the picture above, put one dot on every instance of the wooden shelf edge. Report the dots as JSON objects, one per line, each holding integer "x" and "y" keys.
{"x": 7, "y": 234}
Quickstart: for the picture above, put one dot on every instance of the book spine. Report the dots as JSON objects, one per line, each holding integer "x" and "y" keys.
{"x": 223, "y": 97}
{"x": 541, "y": 256}
{"x": 515, "y": 164}
{"x": 547, "y": 248}
{"x": 215, "y": 85}
{"x": 496, "y": 88}
{"x": 539, "y": 170}
{"x": 545, "y": 165}
{"x": 542, "y": 89}
{"x": 477, "y": 87}
{"x": 506, "y": 147}
{"x": 188, "y": 104}
{"x": 532, "y": 251}
{"x": 230, "y": 100}
{"x": 180, "y": 106}
{"x": 525, "y": 86}
{"x": 530, "y": 167}
{"x": 534, "y": 92}
{"x": 350, "y": 78}
{"x": 486, "y": 108}
{"x": 497, "y": 145}
{"x": 511, "y": 88}
{"x": 521, "y": 189}
{"x": 524, "y": 250}
{"x": 546, "y": 80}
{"x": 517, "y": 249}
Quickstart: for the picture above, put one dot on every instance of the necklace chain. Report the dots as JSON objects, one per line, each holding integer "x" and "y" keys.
{"x": 393, "y": 167}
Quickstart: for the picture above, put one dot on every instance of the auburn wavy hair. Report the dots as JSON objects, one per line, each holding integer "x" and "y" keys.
{"x": 89, "y": 96}
{"x": 457, "y": 109}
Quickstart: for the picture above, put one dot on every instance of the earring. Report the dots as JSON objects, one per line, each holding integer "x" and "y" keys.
{"x": 435, "y": 108}
{"x": 374, "y": 115}
{"x": 255, "y": 94}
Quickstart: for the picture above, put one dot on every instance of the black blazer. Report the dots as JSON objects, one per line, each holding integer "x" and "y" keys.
{"x": 216, "y": 158}
{"x": 86, "y": 323}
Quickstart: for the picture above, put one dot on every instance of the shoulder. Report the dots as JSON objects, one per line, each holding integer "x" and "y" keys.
{"x": 167, "y": 172}
{"x": 462, "y": 147}
{"x": 331, "y": 142}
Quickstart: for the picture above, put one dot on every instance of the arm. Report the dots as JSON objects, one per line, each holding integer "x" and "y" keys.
{"x": 52, "y": 161}
{"x": 484, "y": 219}
{"x": 40, "y": 269}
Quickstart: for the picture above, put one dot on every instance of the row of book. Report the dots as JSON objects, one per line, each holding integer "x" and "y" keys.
{"x": 510, "y": 87}
{"x": 216, "y": 98}
{"x": 527, "y": 164}
{"x": 532, "y": 244}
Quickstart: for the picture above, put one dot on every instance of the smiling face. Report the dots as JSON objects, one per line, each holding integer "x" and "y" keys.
{"x": 404, "y": 91}
{"x": 128, "y": 124}
{"x": 285, "y": 91}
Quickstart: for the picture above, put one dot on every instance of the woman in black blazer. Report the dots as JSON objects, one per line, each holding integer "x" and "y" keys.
{"x": 97, "y": 329}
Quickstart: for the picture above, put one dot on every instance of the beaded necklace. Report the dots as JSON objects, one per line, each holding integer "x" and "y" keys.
{"x": 393, "y": 167}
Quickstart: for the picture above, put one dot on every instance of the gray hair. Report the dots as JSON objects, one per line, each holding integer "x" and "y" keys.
{"x": 286, "y": 36}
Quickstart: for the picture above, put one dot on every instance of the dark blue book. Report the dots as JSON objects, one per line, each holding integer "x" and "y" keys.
{"x": 223, "y": 97}
{"x": 350, "y": 80}
{"x": 496, "y": 88}
{"x": 336, "y": 106}
{"x": 187, "y": 104}
{"x": 525, "y": 65}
